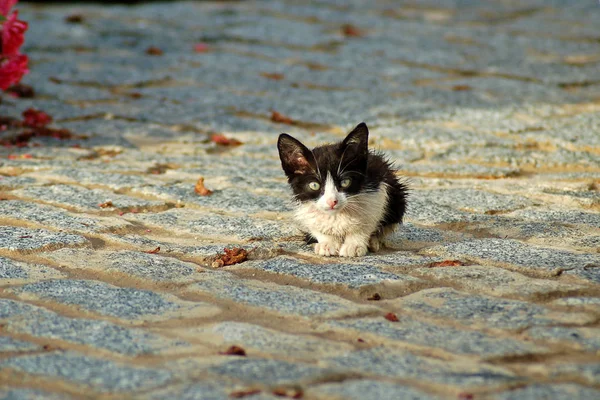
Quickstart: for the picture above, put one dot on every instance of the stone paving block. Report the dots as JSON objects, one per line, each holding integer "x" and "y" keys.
{"x": 13, "y": 182}
{"x": 24, "y": 239}
{"x": 111, "y": 181}
{"x": 206, "y": 391}
{"x": 269, "y": 372}
{"x": 153, "y": 267}
{"x": 125, "y": 303}
{"x": 105, "y": 335}
{"x": 30, "y": 394}
{"x": 254, "y": 338}
{"x": 10, "y": 344}
{"x": 579, "y": 302}
{"x": 381, "y": 361}
{"x": 589, "y": 373}
{"x": 228, "y": 199}
{"x": 83, "y": 199}
{"x": 353, "y": 276}
{"x": 458, "y": 170}
{"x": 515, "y": 253}
{"x": 279, "y": 298}
{"x": 495, "y": 281}
{"x": 471, "y": 200}
{"x": 12, "y": 271}
{"x": 213, "y": 225}
{"x": 57, "y": 218}
{"x": 434, "y": 335}
{"x": 566, "y": 216}
{"x": 425, "y": 212}
{"x": 584, "y": 338}
{"x": 549, "y": 391}
{"x": 93, "y": 373}
{"x": 484, "y": 311}
{"x": 369, "y": 389}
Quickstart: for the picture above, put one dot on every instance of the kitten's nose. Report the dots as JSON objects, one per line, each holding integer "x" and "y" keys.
{"x": 331, "y": 203}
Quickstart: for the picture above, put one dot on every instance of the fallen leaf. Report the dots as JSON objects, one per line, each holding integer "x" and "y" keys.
{"x": 359, "y": 340}
{"x": 223, "y": 140}
{"x": 234, "y": 351}
{"x": 201, "y": 189}
{"x": 74, "y": 19}
{"x": 154, "y": 51}
{"x": 201, "y": 48}
{"x": 21, "y": 90}
{"x": 461, "y": 88}
{"x": 36, "y": 118}
{"x": 281, "y": 119}
{"x": 350, "y": 30}
{"x": 244, "y": 393}
{"x": 25, "y": 237}
{"x": 391, "y": 317}
{"x": 292, "y": 393}
{"x": 230, "y": 256}
{"x": 466, "y": 396}
{"x": 446, "y": 263}
{"x": 155, "y": 251}
{"x": 106, "y": 204}
{"x": 274, "y": 75}
{"x": 375, "y": 297}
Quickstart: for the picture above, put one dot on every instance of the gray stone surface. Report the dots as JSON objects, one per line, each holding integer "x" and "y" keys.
{"x": 83, "y": 199}
{"x": 57, "y": 218}
{"x": 489, "y": 110}
{"x": 363, "y": 389}
{"x": 22, "y": 239}
{"x": 425, "y": 334}
{"x": 281, "y": 298}
{"x": 93, "y": 333}
{"x": 94, "y": 373}
{"x": 384, "y": 362}
{"x": 351, "y": 275}
{"x": 30, "y": 394}
{"x": 512, "y": 252}
{"x": 10, "y": 344}
{"x": 483, "y": 310}
{"x": 105, "y": 299}
{"x": 549, "y": 391}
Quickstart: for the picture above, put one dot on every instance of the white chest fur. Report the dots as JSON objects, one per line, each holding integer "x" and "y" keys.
{"x": 360, "y": 215}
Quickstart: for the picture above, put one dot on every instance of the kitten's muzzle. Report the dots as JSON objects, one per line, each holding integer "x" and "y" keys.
{"x": 332, "y": 203}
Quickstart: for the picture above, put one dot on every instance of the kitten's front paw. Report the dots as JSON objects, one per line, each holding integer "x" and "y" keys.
{"x": 375, "y": 244}
{"x": 327, "y": 248}
{"x": 353, "y": 250}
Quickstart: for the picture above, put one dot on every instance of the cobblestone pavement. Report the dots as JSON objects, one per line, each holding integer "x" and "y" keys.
{"x": 490, "y": 109}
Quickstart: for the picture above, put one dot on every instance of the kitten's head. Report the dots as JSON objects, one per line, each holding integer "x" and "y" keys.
{"x": 328, "y": 175}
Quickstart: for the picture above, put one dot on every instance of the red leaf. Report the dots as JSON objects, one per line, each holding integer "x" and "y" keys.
{"x": 231, "y": 256}
{"x": 223, "y": 140}
{"x": 391, "y": 317}
{"x": 234, "y": 351}
{"x": 155, "y": 251}
{"x": 350, "y": 30}
{"x": 36, "y": 118}
{"x": 201, "y": 48}
{"x": 244, "y": 393}
{"x": 154, "y": 51}
{"x": 446, "y": 263}
{"x": 280, "y": 118}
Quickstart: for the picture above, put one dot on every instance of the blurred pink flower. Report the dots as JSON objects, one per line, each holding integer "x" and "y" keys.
{"x": 13, "y": 34}
{"x": 6, "y": 5}
{"x": 12, "y": 69}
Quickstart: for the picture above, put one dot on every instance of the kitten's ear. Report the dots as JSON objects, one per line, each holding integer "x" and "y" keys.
{"x": 295, "y": 157}
{"x": 358, "y": 140}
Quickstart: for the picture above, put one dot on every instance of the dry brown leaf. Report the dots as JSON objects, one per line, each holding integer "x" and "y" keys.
{"x": 156, "y": 250}
{"x": 223, "y": 140}
{"x": 281, "y": 119}
{"x": 201, "y": 189}
{"x": 154, "y": 51}
{"x": 350, "y": 30}
{"x": 272, "y": 75}
{"x": 391, "y": 317}
{"x": 244, "y": 393}
{"x": 234, "y": 351}
{"x": 230, "y": 256}
{"x": 446, "y": 263}
{"x": 106, "y": 204}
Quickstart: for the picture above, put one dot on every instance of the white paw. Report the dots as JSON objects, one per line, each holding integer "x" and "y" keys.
{"x": 375, "y": 244}
{"x": 327, "y": 248}
{"x": 353, "y": 250}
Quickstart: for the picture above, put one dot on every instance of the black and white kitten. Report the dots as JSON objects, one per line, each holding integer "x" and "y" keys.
{"x": 348, "y": 197}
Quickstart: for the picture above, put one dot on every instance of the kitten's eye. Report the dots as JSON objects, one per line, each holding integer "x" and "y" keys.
{"x": 345, "y": 182}
{"x": 314, "y": 186}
